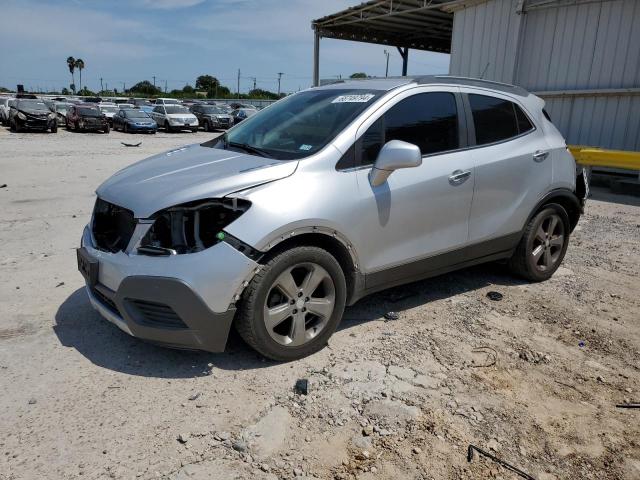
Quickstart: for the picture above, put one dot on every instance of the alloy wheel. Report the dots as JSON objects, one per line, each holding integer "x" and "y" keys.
{"x": 299, "y": 304}
{"x": 548, "y": 242}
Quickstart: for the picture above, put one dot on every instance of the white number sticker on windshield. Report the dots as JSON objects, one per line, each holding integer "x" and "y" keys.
{"x": 305, "y": 147}
{"x": 363, "y": 98}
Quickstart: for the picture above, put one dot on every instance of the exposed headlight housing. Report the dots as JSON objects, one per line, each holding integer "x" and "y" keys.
{"x": 52, "y": 116}
{"x": 21, "y": 116}
{"x": 191, "y": 227}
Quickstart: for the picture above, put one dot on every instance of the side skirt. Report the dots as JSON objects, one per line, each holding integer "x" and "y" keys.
{"x": 489, "y": 251}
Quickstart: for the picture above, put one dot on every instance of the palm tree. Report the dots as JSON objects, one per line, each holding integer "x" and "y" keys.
{"x": 80, "y": 66}
{"x": 71, "y": 63}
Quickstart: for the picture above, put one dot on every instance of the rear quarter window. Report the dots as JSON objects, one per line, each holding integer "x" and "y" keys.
{"x": 496, "y": 119}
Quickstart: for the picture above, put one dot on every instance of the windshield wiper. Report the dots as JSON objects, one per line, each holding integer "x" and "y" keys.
{"x": 248, "y": 149}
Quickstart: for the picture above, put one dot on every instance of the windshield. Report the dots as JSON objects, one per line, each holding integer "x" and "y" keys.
{"x": 300, "y": 124}
{"x": 32, "y": 105}
{"x": 176, "y": 109}
{"x": 136, "y": 114}
{"x": 61, "y": 107}
{"x": 170, "y": 101}
{"x": 89, "y": 112}
{"x": 213, "y": 110}
{"x": 108, "y": 108}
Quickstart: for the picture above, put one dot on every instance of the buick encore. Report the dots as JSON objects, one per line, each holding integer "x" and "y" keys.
{"x": 326, "y": 196}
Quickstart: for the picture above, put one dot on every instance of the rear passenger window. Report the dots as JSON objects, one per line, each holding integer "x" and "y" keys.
{"x": 428, "y": 120}
{"x": 496, "y": 119}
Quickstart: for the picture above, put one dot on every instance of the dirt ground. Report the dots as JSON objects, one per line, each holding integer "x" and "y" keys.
{"x": 533, "y": 379}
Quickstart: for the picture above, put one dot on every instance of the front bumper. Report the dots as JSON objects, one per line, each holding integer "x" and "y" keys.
{"x": 35, "y": 123}
{"x": 142, "y": 128}
{"x": 182, "y": 301}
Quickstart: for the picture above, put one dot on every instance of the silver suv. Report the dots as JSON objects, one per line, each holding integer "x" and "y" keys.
{"x": 324, "y": 197}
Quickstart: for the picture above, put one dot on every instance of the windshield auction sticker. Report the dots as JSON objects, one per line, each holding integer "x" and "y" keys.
{"x": 363, "y": 98}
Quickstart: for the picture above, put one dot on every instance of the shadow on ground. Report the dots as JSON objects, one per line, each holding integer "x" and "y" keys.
{"x": 79, "y": 326}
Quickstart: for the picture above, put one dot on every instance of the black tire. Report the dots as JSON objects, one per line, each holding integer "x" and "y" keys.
{"x": 250, "y": 322}
{"x": 207, "y": 127}
{"x": 107, "y": 129}
{"x": 538, "y": 255}
{"x": 54, "y": 129}
{"x": 125, "y": 129}
{"x": 12, "y": 126}
{"x": 167, "y": 128}
{"x": 194, "y": 130}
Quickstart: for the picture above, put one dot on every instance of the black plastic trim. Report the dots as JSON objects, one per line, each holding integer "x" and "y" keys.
{"x": 490, "y": 250}
{"x": 244, "y": 248}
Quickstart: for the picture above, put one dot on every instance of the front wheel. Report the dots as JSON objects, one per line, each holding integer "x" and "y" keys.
{"x": 194, "y": 130}
{"x": 106, "y": 129}
{"x": 125, "y": 128}
{"x": 543, "y": 244}
{"x": 54, "y": 129}
{"x": 294, "y": 304}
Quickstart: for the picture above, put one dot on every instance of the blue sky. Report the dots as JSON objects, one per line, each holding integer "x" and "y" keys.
{"x": 177, "y": 40}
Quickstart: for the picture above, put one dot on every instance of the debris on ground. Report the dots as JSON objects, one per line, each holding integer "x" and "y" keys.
{"x": 302, "y": 386}
{"x": 131, "y": 144}
{"x": 195, "y": 396}
{"x": 392, "y": 316}
{"x": 502, "y": 463}
{"x": 494, "y": 296}
{"x": 183, "y": 437}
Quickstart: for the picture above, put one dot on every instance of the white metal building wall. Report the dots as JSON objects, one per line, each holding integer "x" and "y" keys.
{"x": 583, "y": 58}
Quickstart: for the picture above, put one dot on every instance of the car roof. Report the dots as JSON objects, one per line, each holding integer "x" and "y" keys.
{"x": 395, "y": 82}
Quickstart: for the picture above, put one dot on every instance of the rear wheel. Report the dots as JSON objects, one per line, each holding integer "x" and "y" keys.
{"x": 543, "y": 244}
{"x": 294, "y": 304}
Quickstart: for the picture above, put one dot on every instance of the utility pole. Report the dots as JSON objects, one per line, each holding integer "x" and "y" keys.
{"x": 165, "y": 86}
{"x": 386, "y": 72}
{"x": 254, "y": 82}
{"x": 124, "y": 87}
{"x": 279, "y": 77}
{"x": 154, "y": 81}
{"x": 101, "y": 86}
{"x": 238, "y": 83}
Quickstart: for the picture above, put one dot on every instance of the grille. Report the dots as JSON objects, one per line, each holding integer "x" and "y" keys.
{"x": 112, "y": 226}
{"x": 156, "y": 315}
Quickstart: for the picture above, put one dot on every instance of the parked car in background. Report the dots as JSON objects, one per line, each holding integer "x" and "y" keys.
{"x": 212, "y": 117}
{"x": 30, "y": 114}
{"x": 237, "y": 105}
{"x": 140, "y": 102}
{"x": 242, "y": 114}
{"x": 109, "y": 110}
{"x": 174, "y": 118}
{"x": 147, "y": 108}
{"x": 4, "y": 110}
{"x": 84, "y": 117}
{"x": 60, "y": 109}
{"x": 329, "y": 195}
{"x": 131, "y": 120}
{"x": 168, "y": 101}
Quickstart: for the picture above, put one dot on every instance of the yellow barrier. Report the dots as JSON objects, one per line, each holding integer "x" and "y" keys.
{"x": 598, "y": 157}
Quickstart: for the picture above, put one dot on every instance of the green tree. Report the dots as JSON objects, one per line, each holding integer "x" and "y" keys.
{"x": 260, "y": 93}
{"x": 207, "y": 83}
{"x": 80, "y": 67}
{"x": 145, "y": 88}
{"x": 65, "y": 91}
{"x": 358, "y": 75}
{"x": 71, "y": 64}
{"x": 188, "y": 89}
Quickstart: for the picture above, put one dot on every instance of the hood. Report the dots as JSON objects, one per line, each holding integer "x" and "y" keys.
{"x": 189, "y": 173}
{"x": 180, "y": 115}
{"x": 34, "y": 113}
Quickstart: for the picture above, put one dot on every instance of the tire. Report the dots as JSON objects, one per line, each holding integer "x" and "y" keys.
{"x": 54, "y": 129}
{"x": 280, "y": 342}
{"x": 167, "y": 128}
{"x": 206, "y": 127}
{"x": 125, "y": 129}
{"x": 543, "y": 244}
{"x": 107, "y": 129}
{"x": 194, "y": 130}
{"x": 12, "y": 126}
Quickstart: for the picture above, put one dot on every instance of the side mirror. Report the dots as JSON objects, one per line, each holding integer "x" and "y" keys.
{"x": 394, "y": 155}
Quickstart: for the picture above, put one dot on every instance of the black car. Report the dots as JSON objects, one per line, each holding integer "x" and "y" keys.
{"x": 134, "y": 120}
{"x": 211, "y": 117}
{"x": 242, "y": 114}
{"x": 32, "y": 114}
{"x": 86, "y": 117}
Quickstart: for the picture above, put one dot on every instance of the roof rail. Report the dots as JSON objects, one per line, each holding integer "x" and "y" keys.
{"x": 474, "y": 82}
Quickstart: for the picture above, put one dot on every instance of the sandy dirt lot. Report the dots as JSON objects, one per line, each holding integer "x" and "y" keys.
{"x": 532, "y": 379}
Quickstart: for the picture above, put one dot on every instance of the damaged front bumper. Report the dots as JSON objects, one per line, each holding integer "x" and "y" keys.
{"x": 182, "y": 301}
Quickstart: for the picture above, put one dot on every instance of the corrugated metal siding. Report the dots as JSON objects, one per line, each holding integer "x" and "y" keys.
{"x": 484, "y": 41}
{"x": 590, "y": 45}
{"x": 607, "y": 122}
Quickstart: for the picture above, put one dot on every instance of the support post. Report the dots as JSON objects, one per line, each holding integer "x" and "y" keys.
{"x": 316, "y": 58}
{"x": 404, "y": 53}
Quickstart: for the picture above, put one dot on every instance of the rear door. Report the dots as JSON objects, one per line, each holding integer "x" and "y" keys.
{"x": 512, "y": 164}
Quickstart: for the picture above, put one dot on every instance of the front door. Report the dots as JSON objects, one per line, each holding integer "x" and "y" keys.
{"x": 419, "y": 212}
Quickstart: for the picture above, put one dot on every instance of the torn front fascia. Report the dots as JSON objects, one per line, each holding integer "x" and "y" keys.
{"x": 191, "y": 227}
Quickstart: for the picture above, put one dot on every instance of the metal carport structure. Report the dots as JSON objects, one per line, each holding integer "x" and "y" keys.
{"x": 405, "y": 24}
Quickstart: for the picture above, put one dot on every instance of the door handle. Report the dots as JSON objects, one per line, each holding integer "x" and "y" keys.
{"x": 459, "y": 176}
{"x": 540, "y": 156}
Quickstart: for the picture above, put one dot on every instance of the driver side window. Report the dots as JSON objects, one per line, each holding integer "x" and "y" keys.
{"x": 428, "y": 120}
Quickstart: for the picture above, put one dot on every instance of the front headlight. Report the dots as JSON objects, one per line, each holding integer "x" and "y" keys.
{"x": 173, "y": 120}
{"x": 21, "y": 116}
{"x": 191, "y": 227}
{"x": 52, "y": 116}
